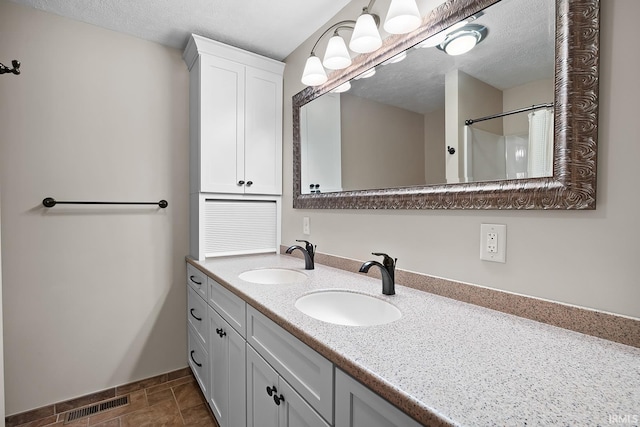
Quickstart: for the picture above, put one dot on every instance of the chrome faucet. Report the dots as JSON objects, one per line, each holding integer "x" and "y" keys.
{"x": 387, "y": 270}
{"x": 308, "y": 253}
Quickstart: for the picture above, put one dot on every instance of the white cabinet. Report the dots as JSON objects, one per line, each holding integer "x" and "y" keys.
{"x": 357, "y": 406}
{"x": 197, "y": 280}
{"x": 198, "y": 360}
{"x": 236, "y": 119}
{"x": 197, "y": 316}
{"x": 229, "y": 305}
{"x": 227, "y": 361}
{"x": 253, "y": 373}
{"x": 271, "y": 401}
{"x": 309, "y": 373}
{"x": 227, "y": 372}
{"x": 197, "y": 327}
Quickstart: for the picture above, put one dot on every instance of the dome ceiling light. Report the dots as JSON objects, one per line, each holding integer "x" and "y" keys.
{"x": 463, "y": 39}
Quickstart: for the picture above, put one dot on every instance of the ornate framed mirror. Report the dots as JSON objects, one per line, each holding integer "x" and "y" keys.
{"x": 571, "y": 180}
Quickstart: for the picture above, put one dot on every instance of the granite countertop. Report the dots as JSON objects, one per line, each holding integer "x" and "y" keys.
{"x": 451, "y": 363}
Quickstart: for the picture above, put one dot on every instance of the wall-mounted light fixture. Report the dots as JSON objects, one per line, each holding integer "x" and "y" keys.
{"x": 403, "y": 17}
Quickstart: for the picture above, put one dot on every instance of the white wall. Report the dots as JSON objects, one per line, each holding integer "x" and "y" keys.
{"x": 586, "y": 258}
{"x": 93, "y": 297}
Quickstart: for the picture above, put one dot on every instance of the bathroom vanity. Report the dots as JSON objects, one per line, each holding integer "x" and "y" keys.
{"x": 443, "y": 362}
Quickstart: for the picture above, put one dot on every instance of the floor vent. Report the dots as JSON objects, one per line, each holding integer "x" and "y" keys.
{"x": 94, "y": 409}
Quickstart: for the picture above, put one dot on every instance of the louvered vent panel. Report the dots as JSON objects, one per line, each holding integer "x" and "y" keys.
{"x": 94, "y": 409}
{"x": 240, "y": 227}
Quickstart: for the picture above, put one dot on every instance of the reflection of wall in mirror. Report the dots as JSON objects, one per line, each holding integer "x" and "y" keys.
{"x": 467, "y": 98}
{"x": 537, "y": 92}
{"x": 434, "y": 142}
{"x": 470, "y": 98}
{"x": 386, "y": 145}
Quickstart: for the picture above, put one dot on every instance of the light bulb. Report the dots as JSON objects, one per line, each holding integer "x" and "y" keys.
{"x": 336, "y": 57}
{"x": 461, "y": 43}
{"x": 403, "y": 17}
{"x": 438, "y": 38}
{"x": 397, "y": 58}
{"x": 365, "y": 37}
{"x": 313, "y": 74}
{"x": 369, "y": 73}
{"x": 342, "y": 88}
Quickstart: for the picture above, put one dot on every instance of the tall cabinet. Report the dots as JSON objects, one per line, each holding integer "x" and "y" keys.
{"x": 235, "y": 149}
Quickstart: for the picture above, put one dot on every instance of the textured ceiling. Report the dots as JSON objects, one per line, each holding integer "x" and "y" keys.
{"x": 270, "y": 28}
{"x": 519, "y": 48}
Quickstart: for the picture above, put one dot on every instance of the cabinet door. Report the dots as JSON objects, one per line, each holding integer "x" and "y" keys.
{"x": 197, "y": 315}
{"x": 263, "y": 132}
{"x": 198, "y": 361}
{"x": 261, "y": 408}
{"x": 227, "y": 372}
{"x": 357, "y": 406}
{"x": 305, "y": 369}
{"x": 222, "y": 106}
{"x": 295, "y": 412}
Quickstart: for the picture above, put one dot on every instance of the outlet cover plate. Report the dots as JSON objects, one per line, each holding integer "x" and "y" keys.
{"x": 493, "y": 242}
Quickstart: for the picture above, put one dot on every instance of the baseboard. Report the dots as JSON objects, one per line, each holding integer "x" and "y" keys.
{"x": 52, "y": 411}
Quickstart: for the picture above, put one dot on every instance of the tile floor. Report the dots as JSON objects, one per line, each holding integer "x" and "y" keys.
{"x": 174, "y": 403}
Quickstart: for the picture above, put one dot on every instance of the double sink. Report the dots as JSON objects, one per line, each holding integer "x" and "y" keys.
{"x": 341, "y": 307}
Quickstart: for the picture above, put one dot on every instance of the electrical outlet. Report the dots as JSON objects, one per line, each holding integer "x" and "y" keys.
{"x": 306, "y": 229}
{"x": 493, "y": 242}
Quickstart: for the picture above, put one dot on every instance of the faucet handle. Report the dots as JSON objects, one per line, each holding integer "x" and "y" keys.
{"x": 308, "y": 246}
{"x": 388, "y": 262}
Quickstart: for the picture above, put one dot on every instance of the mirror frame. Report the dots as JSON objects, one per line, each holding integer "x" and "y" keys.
{"x": 573, "y": 185}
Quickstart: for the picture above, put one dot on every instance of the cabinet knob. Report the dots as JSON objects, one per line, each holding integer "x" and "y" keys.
{"x": 199, "y": 319}
{"x": 199, "y": 365}
{"x": 241, "y": 182}
{"x": 271, "y": 390}
{"x": 278, "y": 399}
{"x": 221, "y": 333}
{"x": 249, "y": 183}
{"x": 194, "y": 280}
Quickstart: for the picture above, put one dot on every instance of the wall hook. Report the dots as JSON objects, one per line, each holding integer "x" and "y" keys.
{"x": 451, "y": 150}
{"x": 15, "y": 70}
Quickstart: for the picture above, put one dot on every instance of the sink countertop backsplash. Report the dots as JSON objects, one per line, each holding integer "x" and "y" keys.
{"x": 449, "y": 360}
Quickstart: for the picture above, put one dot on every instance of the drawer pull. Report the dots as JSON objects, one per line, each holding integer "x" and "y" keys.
{"x": 194, "y": 281}
{"x": 278, "y": 399}
{"x": 271, "y": 390}
{"x": 221, "y": 332}
{"x": 199, "y": 319}
{"x": 199, "y": 365}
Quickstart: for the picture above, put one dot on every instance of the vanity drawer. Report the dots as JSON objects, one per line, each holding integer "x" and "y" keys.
{"x": 197, "y": 280}
{"x": 309, "y": 373}
{"x": 197, "y": 315}
{"x": 230, "y": 306}
{"x": 198, "y": 359}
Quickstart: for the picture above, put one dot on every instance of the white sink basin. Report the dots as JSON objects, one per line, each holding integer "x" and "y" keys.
{"x": 273, "y": 276}
{"x": 347, "y": 308}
